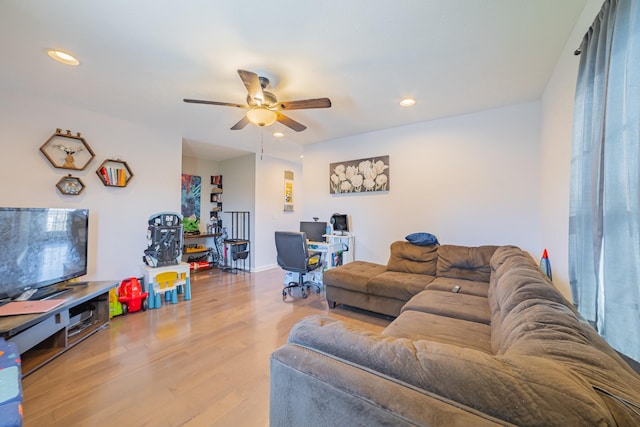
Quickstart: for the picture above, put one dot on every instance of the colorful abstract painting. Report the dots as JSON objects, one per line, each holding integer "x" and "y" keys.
{"x": 191, "y": 190}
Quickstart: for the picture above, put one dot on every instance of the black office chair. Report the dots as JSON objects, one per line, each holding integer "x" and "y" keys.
{"x": 294, "y": 256}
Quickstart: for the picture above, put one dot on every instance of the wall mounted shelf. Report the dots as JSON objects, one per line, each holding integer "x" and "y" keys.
{"x": 114, "y": 173}
{"x": 70, "y": 185}
{"x": 67, "y": 151}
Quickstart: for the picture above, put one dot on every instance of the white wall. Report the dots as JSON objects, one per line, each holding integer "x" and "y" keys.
{"x": 118, "y": 216}
{"x": 493, "y": 177}
{"x": 557, "y": 123}
{"x": 270, "y": 215}
{"x": 239, "y": 194}
{"x": 470, "y": 180}
{"x": 204, "y": 169}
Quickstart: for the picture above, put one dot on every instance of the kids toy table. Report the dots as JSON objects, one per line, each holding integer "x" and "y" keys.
{"x": 169, "y": 280}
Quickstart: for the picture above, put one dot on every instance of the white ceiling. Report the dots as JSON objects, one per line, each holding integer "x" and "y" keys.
{"x": 140, "y": 58}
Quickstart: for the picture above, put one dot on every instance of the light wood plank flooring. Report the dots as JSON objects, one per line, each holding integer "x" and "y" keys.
{"x": 203, "y": 362}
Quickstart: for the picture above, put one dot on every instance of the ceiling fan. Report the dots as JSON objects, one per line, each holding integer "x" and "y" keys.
{"x": 264, "y": 109}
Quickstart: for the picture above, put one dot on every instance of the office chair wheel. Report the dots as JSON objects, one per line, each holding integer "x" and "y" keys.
{"x": 304, "y": 294}
{"x": 284, "y": 295}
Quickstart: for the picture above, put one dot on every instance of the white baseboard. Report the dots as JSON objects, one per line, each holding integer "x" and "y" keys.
{"x": 264, "y": 268}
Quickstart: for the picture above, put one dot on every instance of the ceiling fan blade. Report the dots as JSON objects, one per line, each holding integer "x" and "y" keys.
{"x": 305, "y": 103}
{"x": 241, "y": 124}
{"x": 252, "y": 83}
{"x": 298, "y": 127}
{"x": 226, "y": 104}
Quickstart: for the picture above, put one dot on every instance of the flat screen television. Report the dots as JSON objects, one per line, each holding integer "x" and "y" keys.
{"x": 315, "y": 231}
{"x": 41, "y": 247}
{"x": 340, "y": 223}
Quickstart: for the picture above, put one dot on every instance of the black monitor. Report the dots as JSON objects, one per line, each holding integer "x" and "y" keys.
{"x": 314, "y": 230}
{"x": 340, "y": 223}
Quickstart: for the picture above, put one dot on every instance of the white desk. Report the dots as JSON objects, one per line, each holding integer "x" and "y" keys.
{"x": 346, "y": 246}
{"x": 328, "y": 256}
{"x": 337, "y": 251}
{"x": 329, "y": 253}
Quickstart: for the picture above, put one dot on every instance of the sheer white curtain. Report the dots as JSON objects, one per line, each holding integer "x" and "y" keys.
{"x": 604, "y": 228}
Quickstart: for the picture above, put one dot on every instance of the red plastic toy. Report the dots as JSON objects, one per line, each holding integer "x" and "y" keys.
{"x": 131, "y": 296}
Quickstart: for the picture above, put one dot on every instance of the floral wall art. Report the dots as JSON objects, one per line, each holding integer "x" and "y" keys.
{"x": 359, "y": 176}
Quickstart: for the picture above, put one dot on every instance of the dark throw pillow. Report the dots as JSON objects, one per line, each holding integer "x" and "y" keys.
{"x": 422, "y": 239}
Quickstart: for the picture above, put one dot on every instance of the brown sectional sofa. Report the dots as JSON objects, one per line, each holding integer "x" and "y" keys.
{"x": 411, "y": 269}
{"x": 507, "y": 349}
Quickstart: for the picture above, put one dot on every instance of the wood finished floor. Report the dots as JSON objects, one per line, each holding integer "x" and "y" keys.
{"x": 203, "y": 362}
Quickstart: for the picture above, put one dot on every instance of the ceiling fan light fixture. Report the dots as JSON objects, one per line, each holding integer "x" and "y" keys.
{"x": 262, "y": 116}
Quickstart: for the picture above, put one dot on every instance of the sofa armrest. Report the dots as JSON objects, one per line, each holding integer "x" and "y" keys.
{"x": 494, "y": 385}
{"x": 313, "y": 389}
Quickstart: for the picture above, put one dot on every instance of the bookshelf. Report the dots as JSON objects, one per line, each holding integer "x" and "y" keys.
{"x": 216, "y": 200}
{"x": 114, "y": 173}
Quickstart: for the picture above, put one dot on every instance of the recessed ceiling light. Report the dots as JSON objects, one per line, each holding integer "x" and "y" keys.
{"x": 64, "y": 57}
{"x": 278, "y": 134}
{"x": 408, "y": 102}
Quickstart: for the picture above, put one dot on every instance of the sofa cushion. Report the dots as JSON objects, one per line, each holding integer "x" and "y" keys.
{"x": 353, "y": 276}
{"x": 394, "y": 284}
{"x": 551, "y": 330}
{"x": 377, "y": 304}
{"x": 517, "y": 280}
{"x": 458, "y": 306}
{"x": 409, "y": 258}
{"x": 470, "y": 287}
{"x": 312, "y": 389}
{"x": 538, "y": 327}
{"x": 463, "y": 262}
{"x": 522, "y": 390}
{"x": 416, "y": 325}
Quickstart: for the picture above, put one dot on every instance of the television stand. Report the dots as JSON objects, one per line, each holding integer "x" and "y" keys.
{"x": 42, "y": 337}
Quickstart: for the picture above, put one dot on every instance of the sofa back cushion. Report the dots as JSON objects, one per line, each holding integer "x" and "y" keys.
{"x": 531, "y": 319}
{"x": 463, "y": 262}
{"x": 509, "y": 267}
{"x": 525, "y": 305}
{"x": 409, "y": 258}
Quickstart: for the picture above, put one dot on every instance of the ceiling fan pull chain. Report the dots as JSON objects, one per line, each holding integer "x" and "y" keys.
{"x": 261, "y": 141}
